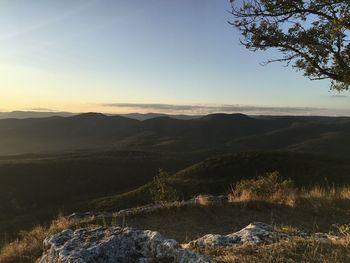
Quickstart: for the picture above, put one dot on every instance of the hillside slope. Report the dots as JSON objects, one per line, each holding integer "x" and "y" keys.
{"x": 215, "y": 175}
{"x": 34, "y": 188}
{"x": 218, "y": 133}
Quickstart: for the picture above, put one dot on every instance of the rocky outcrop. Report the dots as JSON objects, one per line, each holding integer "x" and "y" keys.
{"x": 210, "y": 200}
{"x": 132, "y": 211}
{"x": 254, "y": 234}
{"x": 127, "y": 245}
{"x": 326, "y": 237}
{"x": 111, "y": 245}
{"x": 151, "y": 208}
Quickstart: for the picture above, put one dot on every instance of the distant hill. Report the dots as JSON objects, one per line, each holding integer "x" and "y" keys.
{"x": 146, "y": 116}
{"x": 43, "y": 114}
{"x": 216, "y": 133}
{"x": 32, "y": 114}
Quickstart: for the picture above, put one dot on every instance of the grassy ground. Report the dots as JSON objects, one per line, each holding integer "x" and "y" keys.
{"x": 315, "y": 210}
{"x": 292, "y": 251}
{"x": 188, "y": 223}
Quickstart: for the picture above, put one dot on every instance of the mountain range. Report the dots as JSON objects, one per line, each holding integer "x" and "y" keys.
{"x": 43, "y": 114}
{"x": 215, "y": 133}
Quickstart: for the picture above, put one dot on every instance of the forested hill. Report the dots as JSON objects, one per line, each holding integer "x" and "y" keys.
{"x": 216, "y": 132}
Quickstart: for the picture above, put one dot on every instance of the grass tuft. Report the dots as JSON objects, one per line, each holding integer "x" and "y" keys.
{"x": 295, "y": 250}
{"x": 273, "y": 190}
{"x": 28, "y": 246}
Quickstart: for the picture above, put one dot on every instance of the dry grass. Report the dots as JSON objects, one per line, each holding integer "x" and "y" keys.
{"x": 188, "y": 223}
{"x": 323, "y": 200}
{"x": 28, "y": 246}
{"x": 319, "y": 200}
{"x": 296, "y": 250}
{"x": 279, "y": 203}
{"x": 272, "y": 190}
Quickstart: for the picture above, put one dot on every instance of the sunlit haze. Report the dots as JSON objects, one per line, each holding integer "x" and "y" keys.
{"x": 117, "y": 56}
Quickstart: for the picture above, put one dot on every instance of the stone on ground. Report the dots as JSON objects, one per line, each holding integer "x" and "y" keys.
{"x": 113, "y": 244}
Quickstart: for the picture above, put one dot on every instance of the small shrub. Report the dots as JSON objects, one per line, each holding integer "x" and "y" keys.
{"x": 264, "y": 188}
{"x": 161, "y": 190}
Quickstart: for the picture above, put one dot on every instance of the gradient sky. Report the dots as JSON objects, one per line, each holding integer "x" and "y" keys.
{"x": 82, "y": 55}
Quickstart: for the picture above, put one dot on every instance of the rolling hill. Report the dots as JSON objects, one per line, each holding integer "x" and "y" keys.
{"x": 217, "y": 133}
{"x": 34, "y": 188}
{"x": 99, "y": 162}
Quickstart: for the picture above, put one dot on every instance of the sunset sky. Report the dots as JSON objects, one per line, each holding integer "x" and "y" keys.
{"x": 126, "y": 56}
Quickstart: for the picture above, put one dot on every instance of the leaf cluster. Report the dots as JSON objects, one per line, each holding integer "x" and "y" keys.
{"x": 312, "y": 35}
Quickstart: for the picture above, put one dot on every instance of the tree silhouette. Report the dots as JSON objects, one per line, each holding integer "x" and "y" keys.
{"x": 161, "y": 191}
{"x": 313, "y": 36}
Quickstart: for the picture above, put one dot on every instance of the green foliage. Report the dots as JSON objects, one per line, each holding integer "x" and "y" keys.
{"x": 161, "y": 190}
{"x": 313, "y": 35}
{"x": 263, "y": 186}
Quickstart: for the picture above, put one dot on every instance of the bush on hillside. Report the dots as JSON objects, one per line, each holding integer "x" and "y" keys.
{"x": 270, "y": 187}
{"x": 161, "y": 191}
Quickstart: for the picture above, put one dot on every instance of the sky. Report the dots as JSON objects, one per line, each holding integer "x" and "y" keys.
{"x": 122, "y": 56}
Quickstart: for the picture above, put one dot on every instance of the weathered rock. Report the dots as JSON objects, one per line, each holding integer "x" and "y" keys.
{"x": 114, "y": 244}
{"x": 78, "y": 215}
{"x": 131, "y": 211}
{"x": 254, "y": 234}
{"x": 110, "y": 245}
{"x": 210, "y": 200}
{"x": 326, "y": 237}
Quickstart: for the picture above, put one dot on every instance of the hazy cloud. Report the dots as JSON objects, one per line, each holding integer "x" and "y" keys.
{"x": 208, "y": 109}
{"x": 40, "y": 109}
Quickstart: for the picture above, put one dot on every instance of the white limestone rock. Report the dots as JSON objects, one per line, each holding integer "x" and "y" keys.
{"x": 141, "y": 210}
{"x": 324, "y": 237}
{"x": 111, "y": 245}
{"x": 253, "y": 234}
{"x": 210, "y": 200}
